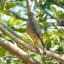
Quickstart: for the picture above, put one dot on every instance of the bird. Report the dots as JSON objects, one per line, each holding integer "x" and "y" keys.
{"x": 34, "y": 30}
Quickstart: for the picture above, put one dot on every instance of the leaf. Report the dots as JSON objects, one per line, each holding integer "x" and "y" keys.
{"x": 2, "y": 51}
{"x": 54, "y": 48}
{"x": 59, "y": 12}
{"x": 60, "y": 49}
{"x": 1, "y": 6}
{"x": 1, "y": 62}
{"x": 38, "y": 58}
{"x": 6, "y": 37}
{"x": 53, "y": 8}
{"x": 5, "y": 12}
{"x": 39, "y": 14}
{"x": 10, "y": 5}
{"x": 48, "y": 45}
{"x": 19, "y": 61}
{"x": 26, "y": 37}
{"x": 13, "y": 21}
{"x": 46, "y": 36}
{"x": 22, "y": 29}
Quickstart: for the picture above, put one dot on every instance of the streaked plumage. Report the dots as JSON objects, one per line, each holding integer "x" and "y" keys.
{"x": 34, "y": 30}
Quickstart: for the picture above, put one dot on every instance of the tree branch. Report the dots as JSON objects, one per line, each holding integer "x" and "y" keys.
{"x": 28, "y": 46}
{"x": 28, "y": 5}
{"x": 17, "y": 51}
{"x": 16, "y": 39}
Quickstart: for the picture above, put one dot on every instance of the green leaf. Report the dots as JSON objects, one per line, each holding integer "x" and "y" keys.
{"x": 1, "y": 6}
{"x": 19, "y": 61}
{"x": 5, "y": 12}
{"x": 59, "y": 12}
{"x": 1, "y": 62}
{"x": 13, "y": 21}
{"x": 10, "y": 5}
{"x": 60, "y": 49}
{"x": 2, "y": 51}
{"x": 48, "y": 45}
{"x": 53, "y": 8}
{"x": 46, "y": 36}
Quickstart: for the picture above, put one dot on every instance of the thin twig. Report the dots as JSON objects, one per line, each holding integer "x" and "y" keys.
{"x": 32, "y": 5}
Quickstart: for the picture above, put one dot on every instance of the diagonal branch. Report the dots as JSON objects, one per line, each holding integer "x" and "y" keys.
{"x": 26, "y": 45}
{"x": 17, "y": 51}
{"x": 16, "y": 39}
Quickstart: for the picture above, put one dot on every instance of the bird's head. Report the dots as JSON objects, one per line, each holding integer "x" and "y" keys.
{"x": 30, "y": 15}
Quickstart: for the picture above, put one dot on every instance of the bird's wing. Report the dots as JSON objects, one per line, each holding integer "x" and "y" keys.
{"x": 37, "y": 29}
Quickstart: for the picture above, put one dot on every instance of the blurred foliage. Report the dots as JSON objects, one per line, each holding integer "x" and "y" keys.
{"x": 13, "y": 14}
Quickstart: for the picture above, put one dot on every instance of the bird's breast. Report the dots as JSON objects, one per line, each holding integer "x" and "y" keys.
{"x": 32, "y": 34}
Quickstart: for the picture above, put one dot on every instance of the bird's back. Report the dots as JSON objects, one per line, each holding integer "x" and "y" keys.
{"x": 34, "y": 30}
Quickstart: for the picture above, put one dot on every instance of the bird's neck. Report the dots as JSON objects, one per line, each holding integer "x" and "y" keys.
{"x": 30, "y": 16}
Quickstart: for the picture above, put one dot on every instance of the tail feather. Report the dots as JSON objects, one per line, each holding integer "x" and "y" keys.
{"x": 42, "y": 43}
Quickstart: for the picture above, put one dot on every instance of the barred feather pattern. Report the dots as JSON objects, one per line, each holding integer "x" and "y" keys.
{"x": 34, "y": 31}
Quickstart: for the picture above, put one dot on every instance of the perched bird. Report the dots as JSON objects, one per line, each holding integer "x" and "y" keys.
{"x": 34, "y": 30}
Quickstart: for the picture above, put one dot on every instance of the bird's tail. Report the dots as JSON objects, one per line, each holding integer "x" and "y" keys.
{"x": 42, "y": 47}
{"x": 42, "y": 43}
